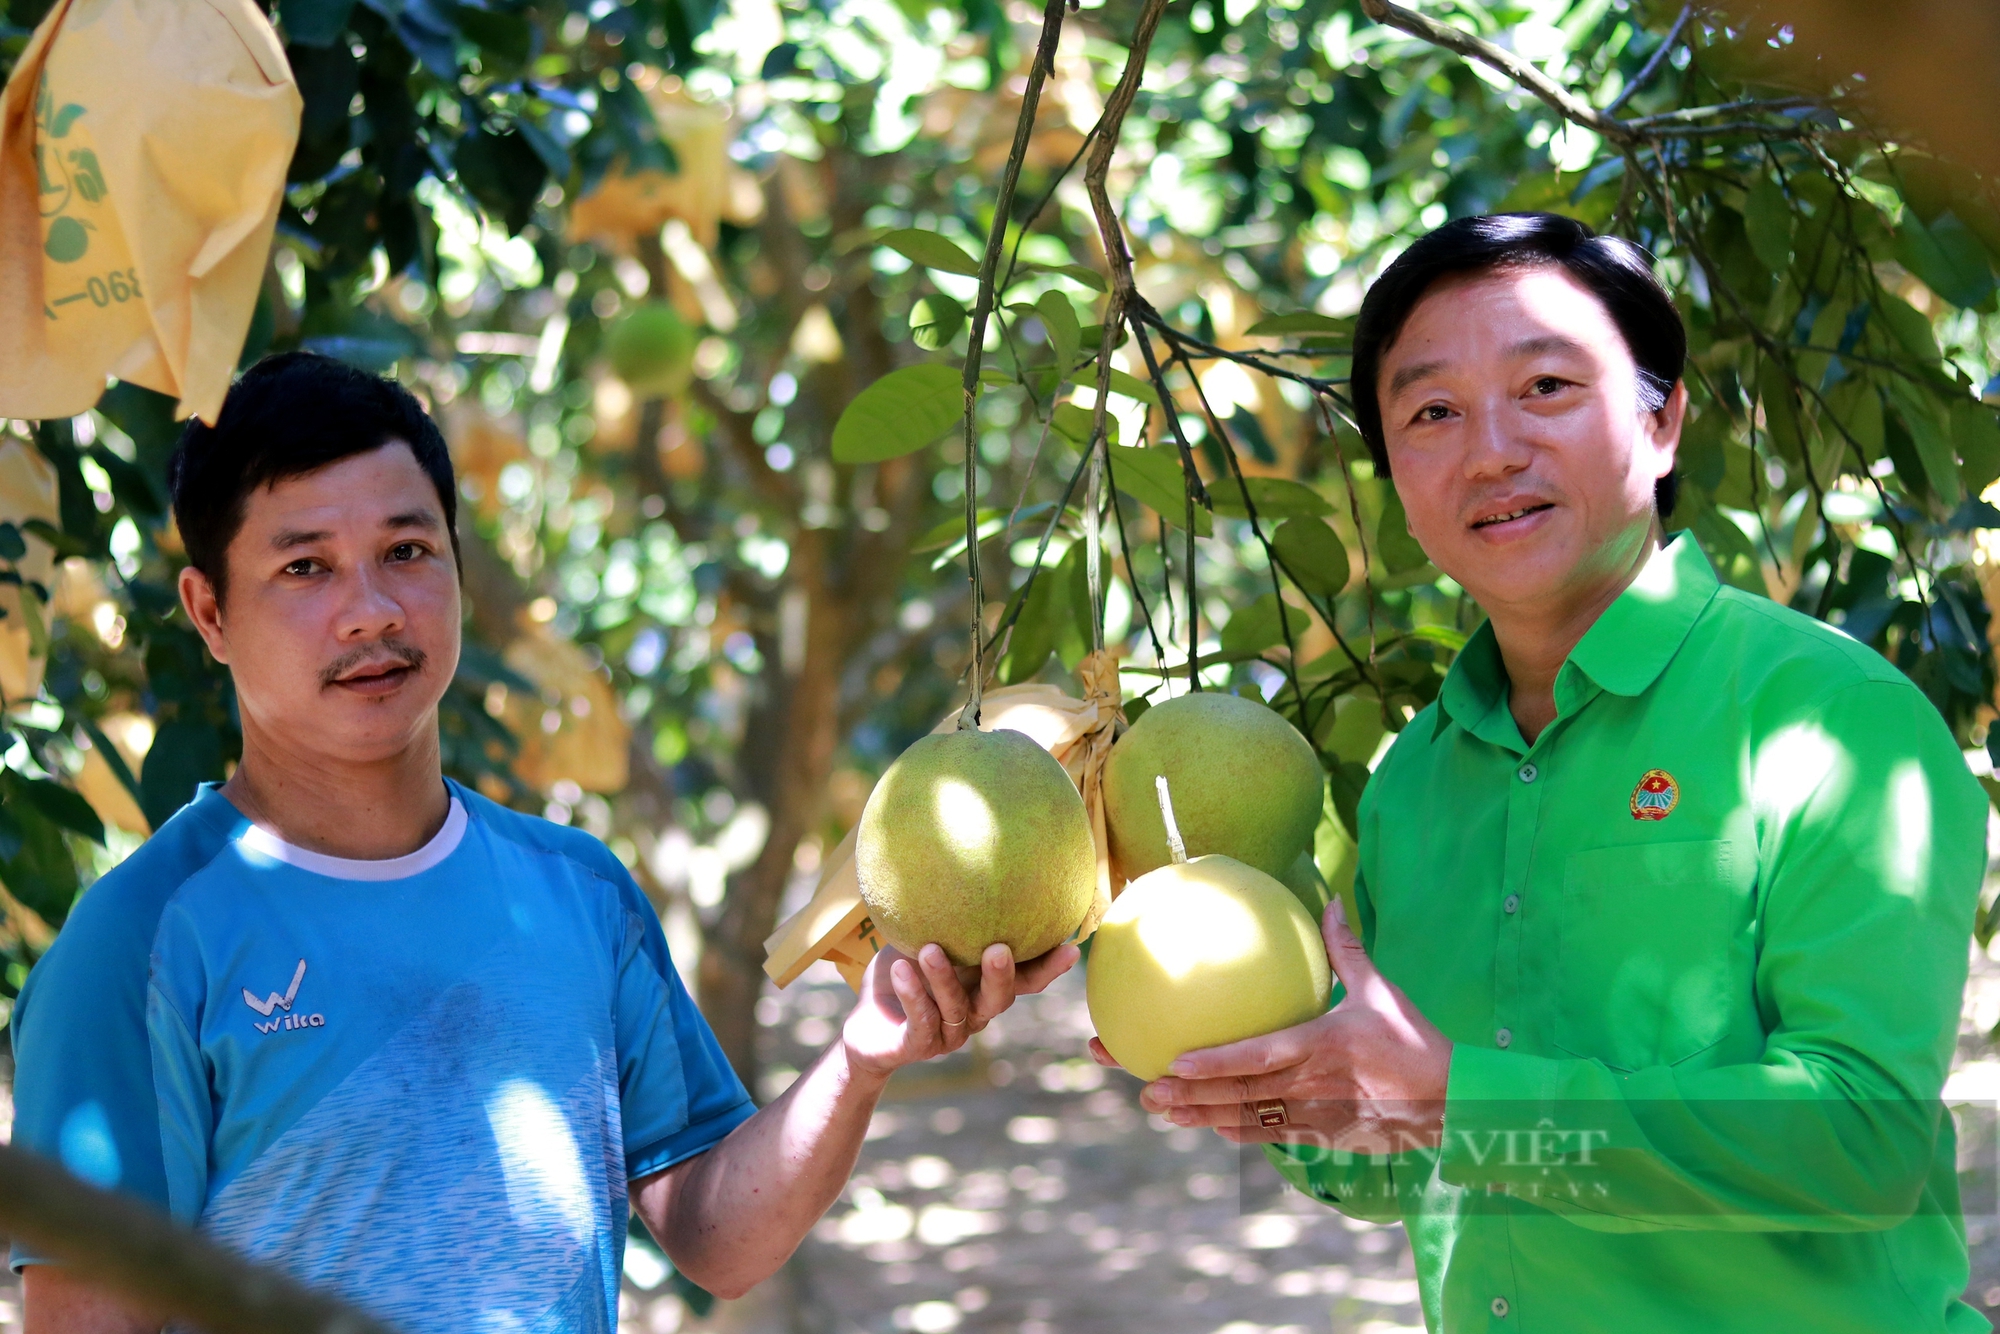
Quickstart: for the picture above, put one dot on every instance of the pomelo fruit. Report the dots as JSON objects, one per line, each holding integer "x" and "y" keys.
{"x": 976, "y": 837}
{"x": 1308, "y": 886}
{"x": 652, "y": 350}
{"x": 1199, "y": 953}
{"x": 1245, "y": 785}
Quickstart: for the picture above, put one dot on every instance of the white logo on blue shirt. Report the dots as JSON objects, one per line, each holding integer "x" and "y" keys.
{"x": 274, "y": 1001}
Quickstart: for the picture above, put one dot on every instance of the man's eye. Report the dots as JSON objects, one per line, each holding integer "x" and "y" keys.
{"x": 302, "y": 566}
{"x": 1548, "y": 384}
{"x": 405, "y": 551}
{"x": 1433, "y": 412}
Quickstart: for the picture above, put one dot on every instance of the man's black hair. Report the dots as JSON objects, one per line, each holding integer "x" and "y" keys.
{"x": 290, "y": 414}
{"x": 1610, "y": 268}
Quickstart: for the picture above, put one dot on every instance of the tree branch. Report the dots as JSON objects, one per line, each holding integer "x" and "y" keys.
{"x": 154, "y": 1262}
{"x": 989, "y": 272}
{"x": 1559, "y": 98}
{"x": 1652, "y": 66}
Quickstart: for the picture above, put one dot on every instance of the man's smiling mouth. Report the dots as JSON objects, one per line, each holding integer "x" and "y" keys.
{"x": 1511, "y": 515}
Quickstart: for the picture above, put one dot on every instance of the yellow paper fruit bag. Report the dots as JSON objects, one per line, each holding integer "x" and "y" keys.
{"x": 143, "y": 150}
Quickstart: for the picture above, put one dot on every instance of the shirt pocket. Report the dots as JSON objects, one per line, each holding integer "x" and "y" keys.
{"x": 1644, "y": 955}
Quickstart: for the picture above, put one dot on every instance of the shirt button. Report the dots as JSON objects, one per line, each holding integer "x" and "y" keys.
{"x": 1529, "y": 773}
{"x": 1505, "y": 1037}
{"x": 1500, "y": 1307}
{"x": 1511, "y": 903}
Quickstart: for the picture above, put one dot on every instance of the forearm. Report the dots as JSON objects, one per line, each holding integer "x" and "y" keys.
{"x": 57, "y": 1303}
{"x": 731, "y": 1217}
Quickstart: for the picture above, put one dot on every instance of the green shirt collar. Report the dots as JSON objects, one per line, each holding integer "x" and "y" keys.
{"x": 1624, "y": 652}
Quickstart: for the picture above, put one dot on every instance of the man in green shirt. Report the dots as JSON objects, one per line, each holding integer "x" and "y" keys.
{"x": 1664, "y": 901}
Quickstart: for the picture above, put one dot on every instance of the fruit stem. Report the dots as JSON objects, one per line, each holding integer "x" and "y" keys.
{"x": 1174, "y": 844}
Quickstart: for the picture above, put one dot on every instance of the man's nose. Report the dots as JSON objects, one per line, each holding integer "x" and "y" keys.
{"x": 370, "y": 610}
{"x": 1495, "y": 445}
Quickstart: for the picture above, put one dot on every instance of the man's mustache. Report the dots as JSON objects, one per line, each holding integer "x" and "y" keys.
{"x": 388, "y": 652}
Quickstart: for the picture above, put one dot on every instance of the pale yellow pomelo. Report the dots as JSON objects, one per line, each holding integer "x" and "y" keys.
{"x": 1245, "y": 785}
{"x": 1198, "y": 954}
{"x": 972, "y": 838}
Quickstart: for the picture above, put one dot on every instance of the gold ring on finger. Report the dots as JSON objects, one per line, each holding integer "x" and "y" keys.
{"x": 1270, "y": 1113}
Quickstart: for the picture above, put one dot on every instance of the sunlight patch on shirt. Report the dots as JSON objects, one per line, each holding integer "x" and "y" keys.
{"x": 539, "y": 1157}
{"x": 1659, "y": 580}
{"x": 1909, "y": 843}
{"x": 1792, "y": 765}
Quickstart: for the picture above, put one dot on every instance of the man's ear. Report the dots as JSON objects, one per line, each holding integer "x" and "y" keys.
{"x": 198, "y": 599}
{"x": 1663, "y": 426}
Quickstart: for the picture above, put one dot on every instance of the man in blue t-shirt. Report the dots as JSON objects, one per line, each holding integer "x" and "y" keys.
{"x": 359, "y": 1022}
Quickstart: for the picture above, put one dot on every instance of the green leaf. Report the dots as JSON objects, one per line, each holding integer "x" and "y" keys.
{"x": 1152, "y": 476}
{"x": 935, "y": 321}
{"x": 1442, "y": 635}
{"x": 953, "y": 530}
{"x": 948, "y": 538}
{"x": 1074, "y": 423}
{"x": 1313, "y": 555}
{"x": 1399, "y": 551}
{"x": 186, "y": 753}
{"x": 1077, "y": 273}
{"x": 1975, "y": 433}
{"x": 1064, "y": 330}
{"x": 1352, "y": 729}
{"x": 1133, "y": 387}
{"x": 1056, "y": 615}
{"x": 1947, "y": 257}
{"x": 55, "y": 802}
{"x": 503, "y": 172}
{"x": 1912, "y": 329}
{"x": 1781, "y": 410}
{"x": 1924, "y": 420}
{"x": 899, "y": 414}
{"x": 930, "y": 250}
{"x": 1303, "y": 322}
{"x": 1857, "y": 405}
{"x": 1767, "y": 218}
{"x": 1254, "y": 628}
{"x": 1275, "y": 498}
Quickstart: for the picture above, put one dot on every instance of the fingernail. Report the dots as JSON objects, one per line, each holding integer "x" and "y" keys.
{"x": 1181, "y": 1068}
{"x": 1340, "y": 910}
{"x": 1181, "y": 1117}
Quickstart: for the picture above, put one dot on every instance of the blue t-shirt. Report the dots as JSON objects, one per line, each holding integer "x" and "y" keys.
{"x": 422, "y": 1083}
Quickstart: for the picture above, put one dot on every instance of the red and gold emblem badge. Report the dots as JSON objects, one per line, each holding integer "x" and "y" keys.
{"x": 1656, "y": 796}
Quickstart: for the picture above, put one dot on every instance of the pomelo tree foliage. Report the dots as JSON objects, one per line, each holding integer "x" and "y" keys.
{"x": 699, "y": 623}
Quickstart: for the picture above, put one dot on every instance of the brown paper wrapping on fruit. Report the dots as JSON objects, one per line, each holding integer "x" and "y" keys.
{"x": 835, "y": 925}
{"x": 143, "y": 150}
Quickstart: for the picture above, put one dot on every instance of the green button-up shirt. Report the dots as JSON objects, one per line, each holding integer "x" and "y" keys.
{"x": 1701, "y": 949}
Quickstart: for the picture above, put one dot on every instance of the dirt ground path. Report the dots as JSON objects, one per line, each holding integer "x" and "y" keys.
{"x": 1019, "y": 1190}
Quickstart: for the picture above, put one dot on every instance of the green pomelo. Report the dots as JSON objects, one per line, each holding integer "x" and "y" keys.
{"x": 1199, "y": 954}
{"x": 1308, "y": 886}
{"x": 976, "y": 837}
{"x": 1244, "y": 784}
{"x": 652, "y": 350}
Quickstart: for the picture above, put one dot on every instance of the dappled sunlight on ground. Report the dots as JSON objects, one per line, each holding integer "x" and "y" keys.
{"x": 1020, "y": 1188}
